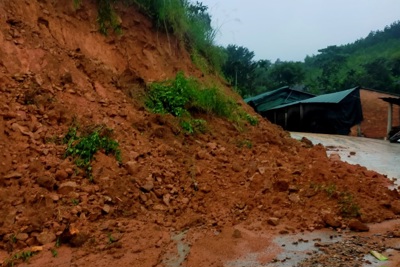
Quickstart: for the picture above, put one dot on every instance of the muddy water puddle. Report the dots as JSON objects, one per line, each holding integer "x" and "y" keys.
{"x": 320, "y": 248}
{"x": 182, "y": 250}
{"x": 293, "y": 249}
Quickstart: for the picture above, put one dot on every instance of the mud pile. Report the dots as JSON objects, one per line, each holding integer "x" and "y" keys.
{"x": 56, "y": 70}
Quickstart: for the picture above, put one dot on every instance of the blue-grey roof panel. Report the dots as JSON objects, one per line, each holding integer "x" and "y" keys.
{"x": 332, "y": 98}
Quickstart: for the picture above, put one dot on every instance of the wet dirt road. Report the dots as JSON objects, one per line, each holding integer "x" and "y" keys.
{"x": 377, "y": 155}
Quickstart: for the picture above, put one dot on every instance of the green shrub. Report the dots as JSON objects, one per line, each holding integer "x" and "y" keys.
{"x": 250, "y": 119}
{"x": 17, "y": 257}
{"x": 244, "y": 143}
{"x": 171, "y": 96}
{"x": 348, "y": 207}
{"x": 193, "y": 126}
{"x": 107, "y": 18}
{"x": 185, "y": 98}
{"x": 83, "y": 148}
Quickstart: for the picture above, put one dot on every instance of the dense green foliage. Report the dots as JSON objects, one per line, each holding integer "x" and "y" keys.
{"x": 83, "y": 148}
{"x": 254, "y": 77}
{"x": 239, "y": 66}
{"x": 372, "y": 62}
{"x": 185, "y": 98}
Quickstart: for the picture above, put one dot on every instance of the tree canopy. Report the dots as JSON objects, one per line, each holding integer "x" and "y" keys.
{"x": 372, "y": 62}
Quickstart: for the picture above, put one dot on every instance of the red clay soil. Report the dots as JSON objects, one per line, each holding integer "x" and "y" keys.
{"x": 56, "y": 70}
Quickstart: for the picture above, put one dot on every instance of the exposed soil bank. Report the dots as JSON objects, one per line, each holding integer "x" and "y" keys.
{"x": 57, "y": 70}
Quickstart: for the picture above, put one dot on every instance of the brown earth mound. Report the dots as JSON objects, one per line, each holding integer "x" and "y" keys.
{"x": 56, "y": 70}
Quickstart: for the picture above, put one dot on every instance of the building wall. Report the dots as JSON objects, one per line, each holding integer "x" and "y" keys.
{"x": 375, "y": 113}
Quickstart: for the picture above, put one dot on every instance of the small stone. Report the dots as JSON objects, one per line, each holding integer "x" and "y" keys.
{"x": 293, "y": 188}
{"x": 13, "y": 175}
{"x": 46, "y": 237}
{"x": 78, "y": 239}
{"x": 159, "y": 132}
{"x": 148, "y": 186}
{"x": 212, "y": 146}
{"x": 135, "y": 155}
{"x": 22, "y": 236}
{"x": 166, "y": 199}
{"x": 334, "y": 157}
{"x": 237, "y": 168}
{"x": 61, "y": 175}
{"x": 54, "y": 197}
{"x": 132, "y": 167}
{"x": 281, "y": 185}
{"x": 106, "y": 209}
{"x": 273, "y": 221}
{"x": 396, "y": 233}
{"x": 143, "y": 197}
{"x": 69, "y": 171}
{"x": 47, "y": 182}
{"x": 31, "y": 241}
{"x": 330, "y": 220}
{"x": 159, "y": 207}
{"x": 307, "y": 143}
{"x": 89, "y": 97}
{"x": 205, "y": 189}
{"x": 237, "y": 234}
{"x": 67, "y": 187}
{"x": 395, "y": 207}
{"x": 202, "y": 155}
{"x": 24, "y": 130}
{"x": 295, "y": 198}
{"x": 280, "y": 213}
{"x": 356, "y": 225}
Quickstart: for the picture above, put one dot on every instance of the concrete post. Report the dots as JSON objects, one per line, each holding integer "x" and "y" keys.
{"x": 390, "y": 118}
{"x": 301, "y": 113}
{"x": 286, "y": 117}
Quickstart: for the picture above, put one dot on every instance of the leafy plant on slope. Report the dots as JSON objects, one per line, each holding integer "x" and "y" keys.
{"x": 184, "y": 98}
{"x": 83, "y": 148}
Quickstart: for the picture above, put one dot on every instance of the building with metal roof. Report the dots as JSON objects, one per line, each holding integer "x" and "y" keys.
{"x": 280, "y": 96}
{"x": 333, "y": 113}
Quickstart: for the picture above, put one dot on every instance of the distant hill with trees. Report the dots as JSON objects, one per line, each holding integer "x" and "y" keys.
{"x": 371, "y": 62}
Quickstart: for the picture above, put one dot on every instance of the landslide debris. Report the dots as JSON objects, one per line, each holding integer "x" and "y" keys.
{"x": 57, "y": 71}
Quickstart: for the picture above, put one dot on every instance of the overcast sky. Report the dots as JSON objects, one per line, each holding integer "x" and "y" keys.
{"x": 292, "y": 29}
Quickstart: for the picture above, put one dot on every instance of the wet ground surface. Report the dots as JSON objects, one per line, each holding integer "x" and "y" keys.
{"x": 328, "y": 248}
{"x": 293, "y": 249}
{"x": 378, "y": 155}
{"x": 320, "y": 248}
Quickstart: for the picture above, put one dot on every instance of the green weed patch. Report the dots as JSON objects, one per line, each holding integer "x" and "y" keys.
{"x": 185, "y": 98}
{"x": 83, "y": 147}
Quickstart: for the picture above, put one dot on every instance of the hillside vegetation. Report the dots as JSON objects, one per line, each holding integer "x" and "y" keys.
{"x": 372, "y": 62}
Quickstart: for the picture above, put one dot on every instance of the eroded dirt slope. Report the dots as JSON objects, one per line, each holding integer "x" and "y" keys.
{"x": 56, "y": 70}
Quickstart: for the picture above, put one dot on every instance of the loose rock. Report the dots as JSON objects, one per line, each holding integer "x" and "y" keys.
{"x": 46, "y": 237}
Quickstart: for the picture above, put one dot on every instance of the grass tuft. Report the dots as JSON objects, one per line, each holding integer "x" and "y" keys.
{"x": 83, "y": 148}
{"x": 185, "y": 98}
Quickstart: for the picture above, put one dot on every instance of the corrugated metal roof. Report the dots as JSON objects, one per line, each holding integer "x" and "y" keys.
{"x": 280, "y": 96}
{"x": 332, "y": 98}
{"x": 266, "y": 94}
